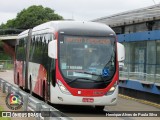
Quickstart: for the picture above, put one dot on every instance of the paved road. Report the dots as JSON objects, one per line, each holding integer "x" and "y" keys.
{"x": 89, "y": 113}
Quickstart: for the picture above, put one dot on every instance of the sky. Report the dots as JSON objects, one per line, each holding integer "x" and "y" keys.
{"x": 84, "y": 10}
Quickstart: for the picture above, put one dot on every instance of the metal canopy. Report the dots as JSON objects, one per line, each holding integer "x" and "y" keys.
{"x": 130, "y": 17}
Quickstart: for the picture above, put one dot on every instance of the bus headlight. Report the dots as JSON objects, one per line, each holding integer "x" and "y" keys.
{"x": 63, "y": 88}
{"x": 112, "y": 89}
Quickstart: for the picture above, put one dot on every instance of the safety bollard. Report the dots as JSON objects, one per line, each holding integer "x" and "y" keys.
{"x": 46, "y": 113}
{"x": 38, "y": 108}
{"x": 25, "y": 102}
{"x": 4, "y": 86}
{"x": 9, "y": 89}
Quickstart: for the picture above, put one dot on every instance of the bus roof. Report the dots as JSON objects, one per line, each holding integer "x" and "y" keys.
{"x": 23, "y": 34}
{"x": 71, "y": 27}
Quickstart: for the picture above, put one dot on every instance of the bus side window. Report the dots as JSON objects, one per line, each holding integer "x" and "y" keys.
{"x": 21, "y": 50}
{"x": 32, "y": 47}
{"x": 41, "y": 41}
{"x": 38, "y": 51}
{"x": 18, "y": 50}
{"x": 45, "y": 58}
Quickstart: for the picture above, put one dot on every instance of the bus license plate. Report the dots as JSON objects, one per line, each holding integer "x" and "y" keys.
{"x": 90, "y": 100}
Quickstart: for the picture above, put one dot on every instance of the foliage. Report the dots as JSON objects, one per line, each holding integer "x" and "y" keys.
{"x": 3, "y": 56}
{"x": 9, "y": 24}
{"x": 1, "y": 44}
{"x": 30, "y": 17}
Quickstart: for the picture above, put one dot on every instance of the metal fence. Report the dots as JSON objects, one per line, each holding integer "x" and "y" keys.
{"x": 33, "y": 104}
{"x": 140, "y": 76}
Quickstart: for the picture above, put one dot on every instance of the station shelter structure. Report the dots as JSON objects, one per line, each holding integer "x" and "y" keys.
{"x": 139, "y": 31}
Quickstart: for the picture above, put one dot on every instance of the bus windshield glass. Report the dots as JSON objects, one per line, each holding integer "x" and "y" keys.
{"x": 87, "y": 58}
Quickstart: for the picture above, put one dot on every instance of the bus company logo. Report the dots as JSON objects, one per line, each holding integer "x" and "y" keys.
{"x": 14, "y": 101}
{"x": 98, "y": 93}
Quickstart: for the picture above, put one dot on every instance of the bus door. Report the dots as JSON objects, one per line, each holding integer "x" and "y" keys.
{"x": 51, "y": 81}
{"x": 27, "y": 57}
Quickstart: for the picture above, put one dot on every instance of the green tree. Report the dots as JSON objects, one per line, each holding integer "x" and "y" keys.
{"x": 9, "y": 24}
{"x": 32, "y": 16}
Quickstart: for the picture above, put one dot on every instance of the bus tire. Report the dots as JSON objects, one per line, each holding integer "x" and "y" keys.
{"x": 44, "y": 92}
{"x": 18, "y": 79}
{"x": 30, "y": 85}
{"x": 99, "y": 108}
{"x": 18, "y": 82}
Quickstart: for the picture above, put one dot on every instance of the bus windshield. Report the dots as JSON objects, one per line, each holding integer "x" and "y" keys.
{"x": 87, "y": 58}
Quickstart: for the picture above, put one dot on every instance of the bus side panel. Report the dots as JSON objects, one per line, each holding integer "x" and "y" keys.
{"x": 38, "y": 76}
{"x": 40, "y": 83}
{"x": 19, "y": 73}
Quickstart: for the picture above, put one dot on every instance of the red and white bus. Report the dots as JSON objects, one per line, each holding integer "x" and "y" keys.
{"x": 69, "y": 62}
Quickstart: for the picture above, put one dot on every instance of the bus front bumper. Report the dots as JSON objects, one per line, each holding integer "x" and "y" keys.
{"x": 57, "y": 97}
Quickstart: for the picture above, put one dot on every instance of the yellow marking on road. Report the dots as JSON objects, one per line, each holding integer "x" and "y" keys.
{"x": 141, "y": 101}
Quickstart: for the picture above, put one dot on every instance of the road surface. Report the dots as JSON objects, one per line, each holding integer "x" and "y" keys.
{"x": 89, "y": 113}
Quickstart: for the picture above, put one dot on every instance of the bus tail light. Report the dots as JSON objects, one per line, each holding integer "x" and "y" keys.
{"x": 63, "y": 88}
{"x": 112, "y": 89}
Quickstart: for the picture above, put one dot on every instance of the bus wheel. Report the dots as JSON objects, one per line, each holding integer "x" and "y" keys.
{"x": 18, "y": 82}
{"x": 21, "y": 88}
{"x": 44, "y": 92}
{"x": 18, "y": 79}
{"x": 99, "y": 108}
{"x": 30, "y": 85}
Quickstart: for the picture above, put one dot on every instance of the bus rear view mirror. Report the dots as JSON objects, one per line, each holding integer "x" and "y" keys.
{"x": 120, "y": 51}
{"x": 52, "y": 49}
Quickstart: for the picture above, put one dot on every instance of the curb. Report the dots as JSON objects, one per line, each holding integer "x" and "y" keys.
{"x": 141, "y": 101}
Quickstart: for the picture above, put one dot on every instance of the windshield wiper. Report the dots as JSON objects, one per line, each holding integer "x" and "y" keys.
{"x": 89, "y": 73}
{"x": 83, "y": 79}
